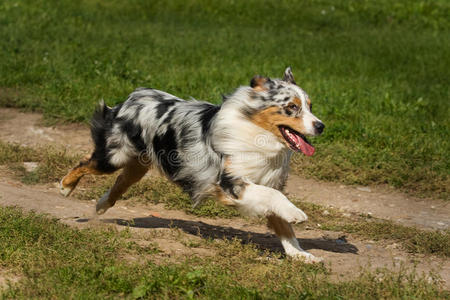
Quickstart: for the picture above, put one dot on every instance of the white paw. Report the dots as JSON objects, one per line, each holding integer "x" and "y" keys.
{"x": 65, "y": 191}
{"x": 307, "y": 257}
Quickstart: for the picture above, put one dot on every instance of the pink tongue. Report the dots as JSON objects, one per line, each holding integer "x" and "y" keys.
{"x": 306, "y": 148}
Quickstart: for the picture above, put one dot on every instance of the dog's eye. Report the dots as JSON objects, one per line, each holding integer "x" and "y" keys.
{"x": 293, "y": 106}
{"x": 310, "y": 107}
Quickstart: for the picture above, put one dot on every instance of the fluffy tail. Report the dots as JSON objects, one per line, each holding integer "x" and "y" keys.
{"x": 101, "y": 124}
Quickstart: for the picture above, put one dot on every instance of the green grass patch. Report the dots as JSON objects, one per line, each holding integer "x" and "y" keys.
{"x": 377, "y": 72}
{"x": 52, "y": 163}
{"x": 57, "y": 261}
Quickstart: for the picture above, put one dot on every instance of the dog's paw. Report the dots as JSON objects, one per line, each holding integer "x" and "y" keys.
{"x": 103, "y": 204}
{"x": 307, "y": 258}
{"x": 65, "y": 190}
{"x": 101, "y": 211}
{"x": 101, "y": 208}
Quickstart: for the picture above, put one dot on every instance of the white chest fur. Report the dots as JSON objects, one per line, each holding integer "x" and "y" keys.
{"x": 260, "y": 169}
{"x": 251, "y": 151}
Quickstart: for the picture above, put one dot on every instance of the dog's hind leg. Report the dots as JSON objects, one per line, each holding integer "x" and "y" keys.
{"x": 86, "y": 166}
{"x": 131, "y": 174}
{"x": 290, "y": 244}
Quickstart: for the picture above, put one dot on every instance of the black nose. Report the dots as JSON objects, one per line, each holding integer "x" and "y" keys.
{"x": 319, "y": 126}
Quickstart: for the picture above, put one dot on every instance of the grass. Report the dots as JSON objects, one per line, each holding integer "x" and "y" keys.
{"x": 377, "y": 72}
{"x": 53, "y": 164}
{"x": 56, "y": 261}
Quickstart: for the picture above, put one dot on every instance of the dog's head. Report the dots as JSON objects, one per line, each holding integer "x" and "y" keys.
{"x": 284, "y": 109}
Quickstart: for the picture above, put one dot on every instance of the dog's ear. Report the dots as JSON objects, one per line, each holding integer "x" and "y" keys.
{"x": 288, "y": 76}
{"x": 258, "y": 82}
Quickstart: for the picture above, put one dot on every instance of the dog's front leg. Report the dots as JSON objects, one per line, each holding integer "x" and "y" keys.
{"x": 260, "y": 200}
{"x": 265, "y": 201}
{"x": 287, "y": 237}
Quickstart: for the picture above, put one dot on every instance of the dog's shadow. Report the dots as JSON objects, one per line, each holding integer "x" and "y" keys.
{"x": 262, "y": 241}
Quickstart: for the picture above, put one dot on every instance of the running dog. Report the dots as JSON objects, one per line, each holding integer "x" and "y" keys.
{"x": 238, "y": 151}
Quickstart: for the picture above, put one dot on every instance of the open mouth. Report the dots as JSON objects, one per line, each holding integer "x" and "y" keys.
{"x": 296, "y": 140}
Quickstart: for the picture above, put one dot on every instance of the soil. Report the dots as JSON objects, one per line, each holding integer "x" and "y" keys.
{"x": 344, "y": 255}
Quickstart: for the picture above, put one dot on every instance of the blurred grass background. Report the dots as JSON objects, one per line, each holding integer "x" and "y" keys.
{"x": 377, "y": 71}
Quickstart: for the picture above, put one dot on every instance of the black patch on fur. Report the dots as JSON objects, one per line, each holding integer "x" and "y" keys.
{"x": 134, "y": 134}
{"x": 116, "y": 110}
{"x": 273, "y": 93}
{"x": 187, "y": 138}
{"x": 207, "y": 116}
{"x": 136, "y": 109}
{"x": 288, "y": 111}
{"x": 101, "y": 124}
{"x": 166, "y": 150}
{"x": 163, "y": 106}
{"x": 232, "y": 185}
{"x": 246, "y": 111}
{"x": 169, "y": 116}
{"x": 257, "y": 80}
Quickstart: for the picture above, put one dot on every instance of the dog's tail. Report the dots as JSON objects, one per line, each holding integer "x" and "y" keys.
{"x": 101, "y": 124}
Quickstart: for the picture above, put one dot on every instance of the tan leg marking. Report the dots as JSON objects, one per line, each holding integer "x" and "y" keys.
{"x": 280, "y": 226}
{"x": 223, "y": 197}
{"x": 70, "y": 181}
{"x": 288, "y": 240}
{"x": 131, "y": 174}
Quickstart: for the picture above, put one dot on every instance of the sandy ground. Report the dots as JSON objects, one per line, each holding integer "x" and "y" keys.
{"x": 344, "y": 255}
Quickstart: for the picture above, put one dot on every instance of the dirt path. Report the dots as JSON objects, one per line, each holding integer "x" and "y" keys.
{"x": 382, "y": 202}
{"x": 344, "y": 256}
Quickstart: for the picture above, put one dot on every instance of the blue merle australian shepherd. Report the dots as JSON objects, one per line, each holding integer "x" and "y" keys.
{"x": 238, "y": 151}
